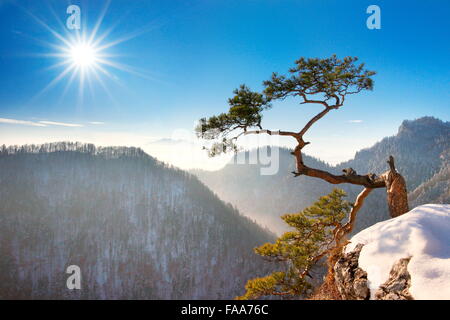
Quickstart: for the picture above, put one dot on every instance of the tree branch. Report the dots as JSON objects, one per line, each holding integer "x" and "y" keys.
{"x": 348, "y": 227}
{"x": 314, "y": 119}
{"x": 367, "y": 181}
{"x": 273, "y": 133}
{"x": 391, "y": 164}
{"x": 306, "y": 100}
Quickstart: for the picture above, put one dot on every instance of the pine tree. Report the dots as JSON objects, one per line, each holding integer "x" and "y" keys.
{"x": 325, "y": 83}
{"x": 297, "y": 251}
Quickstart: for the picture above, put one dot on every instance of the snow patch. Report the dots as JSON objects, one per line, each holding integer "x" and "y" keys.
{"x": 423, "y": 234}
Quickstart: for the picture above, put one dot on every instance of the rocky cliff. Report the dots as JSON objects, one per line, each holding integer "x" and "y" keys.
{"x": 404, "y": 258}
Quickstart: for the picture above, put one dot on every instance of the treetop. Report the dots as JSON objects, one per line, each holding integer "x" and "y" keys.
{"x": 314, "y": 80}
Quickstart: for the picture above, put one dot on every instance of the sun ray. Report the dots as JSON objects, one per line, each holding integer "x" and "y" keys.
{"x": 81, "y": 86}
{"x": 57, "y": 65}
{"x": 102, "y": 84}
{"x": 46, "y": 26}
{"x": 84, "y": 55}
{"x": 99, "y": 21}
{"x": 107, "y": 32}
{"x": 43, "y": 43}
{"x": 130, "y": 36}
{"x": 55, "y": 15}
{"x": 66, "y": 87}
{"x": 126, "y": 68}
{"x": 54, "y": 81}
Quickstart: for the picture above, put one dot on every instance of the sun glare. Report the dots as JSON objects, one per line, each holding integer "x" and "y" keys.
{"x": 83, "y": 55}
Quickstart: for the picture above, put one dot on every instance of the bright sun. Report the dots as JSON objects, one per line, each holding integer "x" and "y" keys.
{"x": 83, "y": 55}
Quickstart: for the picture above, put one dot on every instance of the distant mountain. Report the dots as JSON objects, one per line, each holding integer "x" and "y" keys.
{"x": 136, "y": 228}
{"x": 421, "y": 149}
{"x": 266, "y": 197}
{"x": 437, "y": 188}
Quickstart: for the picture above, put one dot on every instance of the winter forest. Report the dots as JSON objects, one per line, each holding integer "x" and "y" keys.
{"x": 137, "y": 228}
{"x": 276, "y": 152}
{"x": 140, "y": 229}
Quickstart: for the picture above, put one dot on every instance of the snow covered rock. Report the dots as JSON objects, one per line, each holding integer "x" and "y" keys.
{"x": 407, "y": 256}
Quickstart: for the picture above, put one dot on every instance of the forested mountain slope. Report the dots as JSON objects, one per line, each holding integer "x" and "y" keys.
{"x": 421, "y": 149}
{"x": 435, "y": 190}
{"x": 136, "y": 228}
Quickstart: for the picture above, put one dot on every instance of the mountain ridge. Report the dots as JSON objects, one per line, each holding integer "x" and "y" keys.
{"x": 137, "y": 228}
{"x": 421, "y": 147}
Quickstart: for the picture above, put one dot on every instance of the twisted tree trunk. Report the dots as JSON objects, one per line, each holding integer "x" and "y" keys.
{"x": 397, "y": 196}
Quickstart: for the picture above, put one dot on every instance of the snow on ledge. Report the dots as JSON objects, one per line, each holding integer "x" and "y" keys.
{"x": 422, "y": 233}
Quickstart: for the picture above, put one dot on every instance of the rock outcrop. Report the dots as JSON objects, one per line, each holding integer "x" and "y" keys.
{"x": 397, "y": 286}
{"x": 350, "y": 279}
{"x": 407, "y": 256}
{"x": 352, "y": 284}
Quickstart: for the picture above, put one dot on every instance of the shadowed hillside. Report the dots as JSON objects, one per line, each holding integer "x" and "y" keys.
{"x": 137, "y": 228}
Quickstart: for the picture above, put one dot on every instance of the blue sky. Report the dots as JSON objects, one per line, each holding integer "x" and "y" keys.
{"x": 186, "y": 57}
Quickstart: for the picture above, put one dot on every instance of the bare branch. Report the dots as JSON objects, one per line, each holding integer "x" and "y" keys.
{"x": 348, "y": 227}
{"x": 313, "y": 120}
{"x": 306, "y": 100}
{"x": 367, "y": 181}
{"x": 273, "y": 133}
{"x": 391, "y": 164}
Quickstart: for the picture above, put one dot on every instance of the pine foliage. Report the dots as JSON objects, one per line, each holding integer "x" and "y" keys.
{"x": 299, "y": 250}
